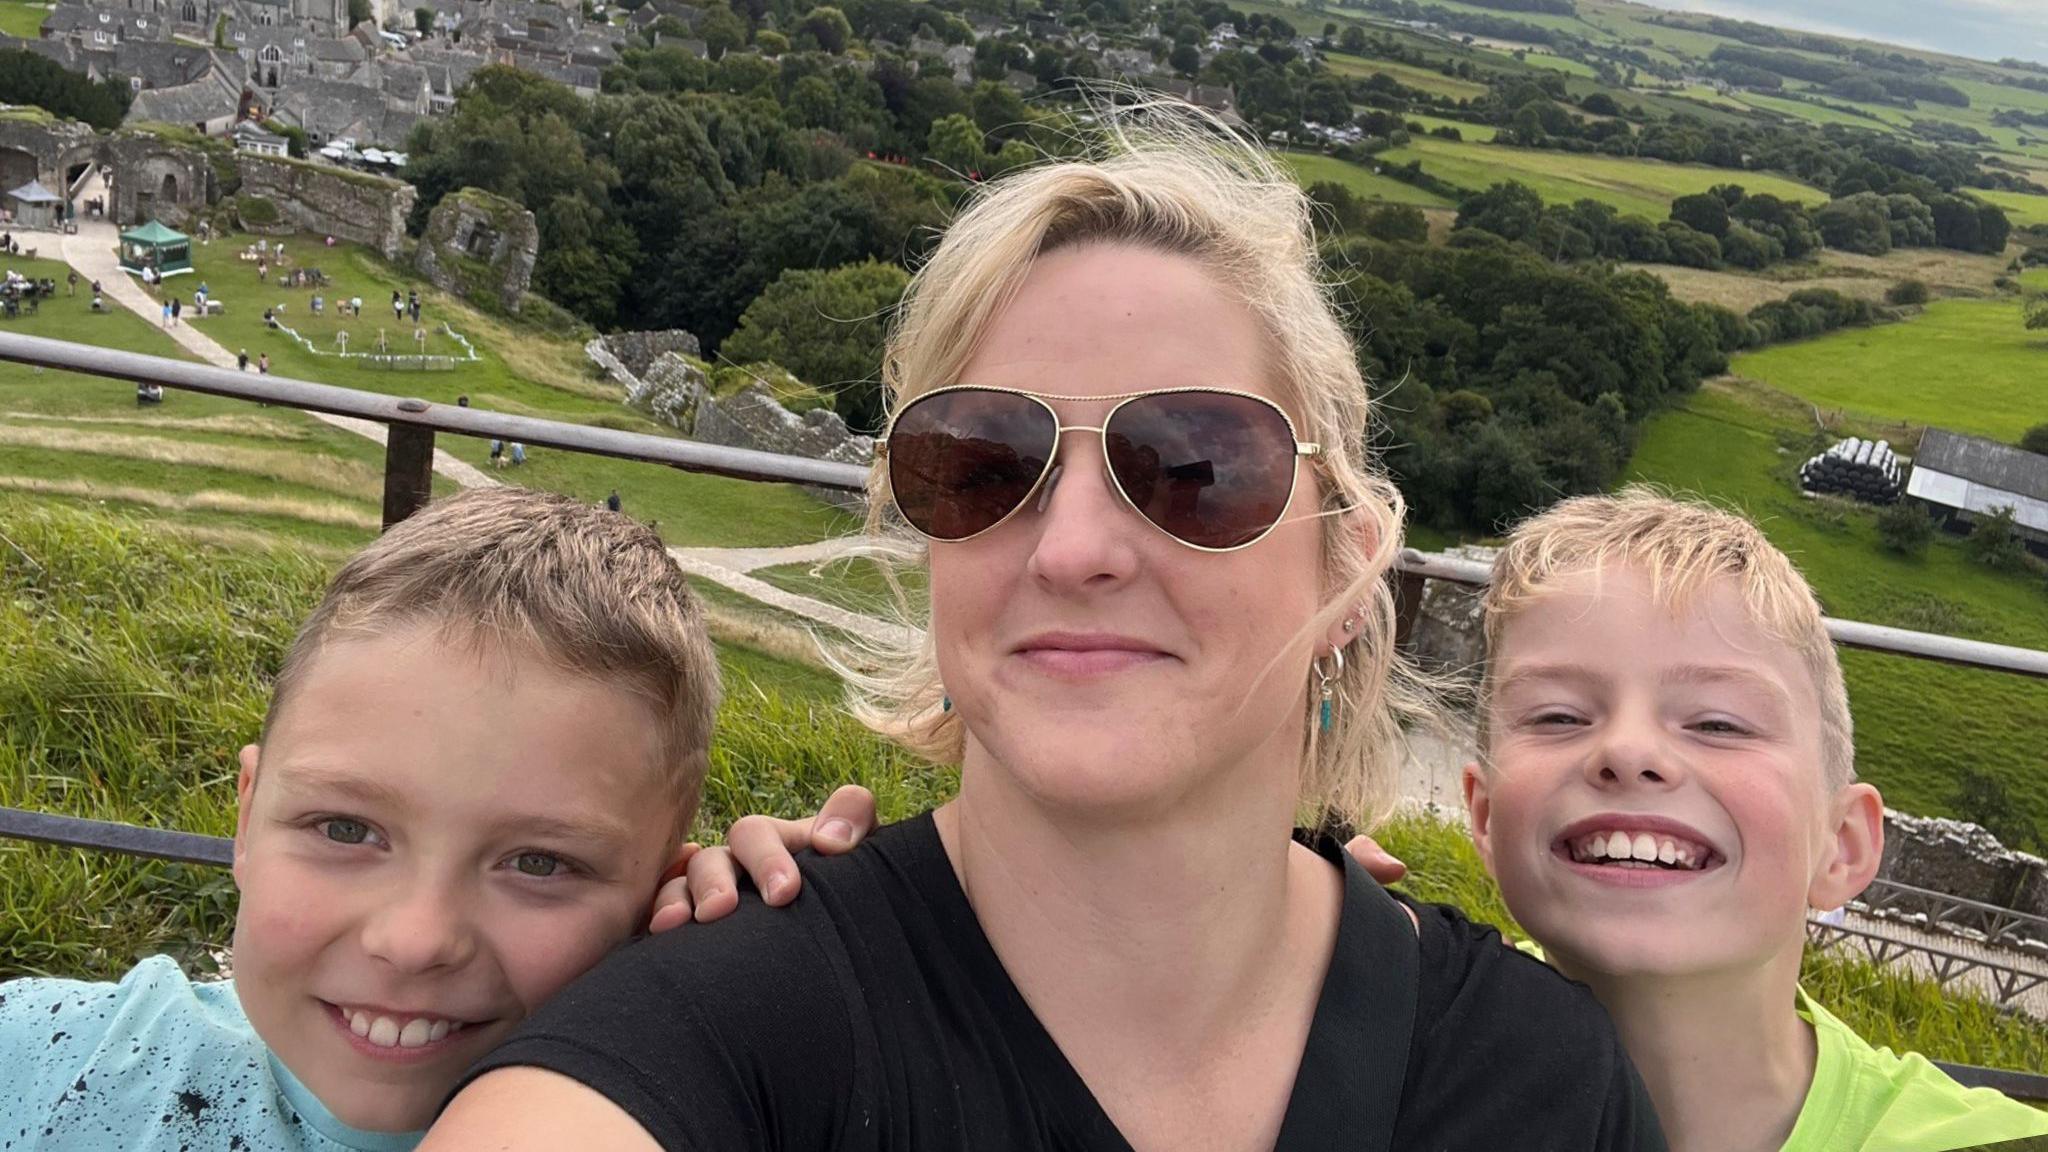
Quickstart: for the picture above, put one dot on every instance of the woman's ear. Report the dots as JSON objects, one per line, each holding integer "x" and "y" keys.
{"x": 1854, "y": 848}
{"x": 1356, "y": 531}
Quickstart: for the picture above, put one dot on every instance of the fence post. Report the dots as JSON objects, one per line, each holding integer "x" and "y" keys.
{"x": 408, "y": 471}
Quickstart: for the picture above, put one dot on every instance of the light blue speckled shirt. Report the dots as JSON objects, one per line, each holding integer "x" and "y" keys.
{"x": 155, "y": 1063}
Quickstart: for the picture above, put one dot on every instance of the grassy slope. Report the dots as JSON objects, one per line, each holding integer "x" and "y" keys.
{"x": 1919, "y": 725}
{"x": 1963, "y": 364}
{"x": 25, "y": 20}
{"x": 2022, "y": 208}
{"x": 520, "y": 372}
{"x": 1310, "y": 167}
{"x": 1422, "y": 79}
{"x": 1643, "y": 187}
{"x": 137, "y": 664}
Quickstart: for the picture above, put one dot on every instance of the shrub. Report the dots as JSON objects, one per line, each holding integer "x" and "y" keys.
{"x": 1397, "y": 222}
{"x": 2036, "y": 439}
{"x": 256, "y": 211}
{"x": 1995, "y": 541}
{"x": 1905, "y": 528}
{"x": 1906, "y": 292}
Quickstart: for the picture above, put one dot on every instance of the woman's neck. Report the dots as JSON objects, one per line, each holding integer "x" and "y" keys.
{"x": 1725, "y": 1055}
{"x": 1164, "y": 955}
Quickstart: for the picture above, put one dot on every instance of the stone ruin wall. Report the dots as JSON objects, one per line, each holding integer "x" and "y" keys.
{"x": 674, "y": 391}
{"x": 478, "y": 244}
{"x": 350, "y": 205}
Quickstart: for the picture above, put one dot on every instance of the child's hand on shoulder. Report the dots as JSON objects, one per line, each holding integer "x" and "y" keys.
{"x": 766, "y": 848}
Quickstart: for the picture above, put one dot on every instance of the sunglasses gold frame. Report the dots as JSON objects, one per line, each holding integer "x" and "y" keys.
{"x": 1302, "y": 448}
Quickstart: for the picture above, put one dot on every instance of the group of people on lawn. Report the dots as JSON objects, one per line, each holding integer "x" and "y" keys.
{"x": 1128, "y": 457}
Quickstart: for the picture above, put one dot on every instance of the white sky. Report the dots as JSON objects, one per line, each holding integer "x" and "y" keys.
{"x": 1984, "y": 29}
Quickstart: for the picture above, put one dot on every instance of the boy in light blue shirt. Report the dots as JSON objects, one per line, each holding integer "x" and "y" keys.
{"x": 481, "y": 750}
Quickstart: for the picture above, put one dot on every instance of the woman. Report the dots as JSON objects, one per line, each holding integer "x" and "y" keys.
{"x": 1130, "y": 429}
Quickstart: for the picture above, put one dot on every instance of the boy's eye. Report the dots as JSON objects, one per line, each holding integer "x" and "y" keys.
{"x": 1720, "y": 727}
{"x": 343, "y": 830}
{"x": 538, "y": 863}
{"x": 1554, "y": 719}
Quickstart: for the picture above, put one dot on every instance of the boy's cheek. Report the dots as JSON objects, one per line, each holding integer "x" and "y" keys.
{"x": 543, "y": 951}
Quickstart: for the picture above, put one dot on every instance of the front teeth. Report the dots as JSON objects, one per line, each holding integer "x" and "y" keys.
{"x": 1628, "y": 849}
{"x": 385, "y": 1032}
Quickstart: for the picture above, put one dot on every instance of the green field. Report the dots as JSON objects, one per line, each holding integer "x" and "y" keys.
{"x": 1480, "y": 133}
{"x": 2022, "y": 208}
{"x": 1643, "y": 187}
{"x": 1421, "y": 79}
{"x": 21, "y": 19}
{"x": 1310, "y": 167}
{"x": 1919, "y": 726}
{"x": 1801, "y": 110}
{"x": 1965, "y": 365}
{"x": 61, "y": 437}
{"x": 1562, "y": 64}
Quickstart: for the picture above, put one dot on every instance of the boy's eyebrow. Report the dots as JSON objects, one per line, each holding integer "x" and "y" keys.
{"x": 589, "y": 829}
{"x": 586, "y": 828}
{"x": 1555, "y": 670}
{"x": 320, "y": 778}
{"x": 1727, "y": 674}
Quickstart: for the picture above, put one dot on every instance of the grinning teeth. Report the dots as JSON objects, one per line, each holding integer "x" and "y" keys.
{"x": 1620, "y": 846}
{"x": 415, "y": 1033}
{"x": 359, "y": 1023}
{"x": 1594, "y": 848}
{"x": 384, "y": 1033}
{"x": 1667, "y": 852}
{"x": 439, "y": 1030}
{"x": 1637, "y": 849}
{"x": 1645, "y": 846}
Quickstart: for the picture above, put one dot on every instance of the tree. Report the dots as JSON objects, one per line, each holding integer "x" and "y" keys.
{"x": 1995, "y": 541}
{"x": 1745, "y": 247}
{"x": 1399, "y": 222}
{"x": 2036, "y": 439}
{"x": 1185, "y": 59}
{"x": 771, "y": 42}
{"x": 827, "y": 328}
{"x": 1509, "y": 210}
{"x": 1907, "y": 291}
{"x": 360, "y": 12}
{"x": 27, "y": 78}
{"x": 1858, "y": 223}
{"x": 1702, "y": 212}
{"x": 1905, "y": 528}
{"x": 423, "y": 19}
{"x": 825, "y": 27}
{"x": 954, "y": 143}
{"x": 721, "y": 31}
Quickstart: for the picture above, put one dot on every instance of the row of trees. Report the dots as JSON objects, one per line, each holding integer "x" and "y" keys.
{"x": 27, "y": 78}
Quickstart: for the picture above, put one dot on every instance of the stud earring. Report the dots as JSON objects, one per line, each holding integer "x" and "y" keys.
{"x": 945, "y": 704}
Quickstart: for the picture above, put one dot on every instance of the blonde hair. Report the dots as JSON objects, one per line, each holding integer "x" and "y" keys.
{"x": 1682, "y": 546}
{"x": 1163, "y": 175}
{"x": 593, "y": 592}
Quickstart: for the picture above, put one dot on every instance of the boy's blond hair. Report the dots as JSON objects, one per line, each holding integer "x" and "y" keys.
{"x": 591, "y": 591}
{"x": 1682, "y": 546}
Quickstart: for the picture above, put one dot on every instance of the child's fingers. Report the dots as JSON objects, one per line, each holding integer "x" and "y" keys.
{"x": 766, "y": 848}
{"x": 714, "y": 886}
{"x": 671, "y": 906}
{"x": 844, "y": 821}
{"x": 1377, "y": 861}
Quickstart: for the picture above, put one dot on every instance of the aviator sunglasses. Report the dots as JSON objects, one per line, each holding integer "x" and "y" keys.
{"x": 1212, "y": 468}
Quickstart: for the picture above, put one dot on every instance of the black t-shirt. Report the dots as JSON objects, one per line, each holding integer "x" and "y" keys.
{"x": 873, "y": 1014}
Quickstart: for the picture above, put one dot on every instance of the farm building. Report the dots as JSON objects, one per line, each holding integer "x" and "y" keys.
{"x": 1974, "y": 476}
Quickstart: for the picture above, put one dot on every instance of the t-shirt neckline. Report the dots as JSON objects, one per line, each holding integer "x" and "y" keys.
{"x": 1340, "y": 1027}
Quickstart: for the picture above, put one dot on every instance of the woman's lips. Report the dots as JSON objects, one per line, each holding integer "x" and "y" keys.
{"x": 1080, "y": 656}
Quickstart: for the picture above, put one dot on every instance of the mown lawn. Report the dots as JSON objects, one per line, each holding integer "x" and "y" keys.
{"x": 520, "y": 371}
{"x": 2022, "y": 208}
{"x": 1921, "y": 728}
{"x": 1965, "y": 365}
{"x": 22, "y": 19}
{"x": 1310, "y": 167}
{"x": 1642, "y": 187}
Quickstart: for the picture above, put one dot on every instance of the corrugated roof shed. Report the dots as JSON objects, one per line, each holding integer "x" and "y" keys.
{"x": 1985, "y": 462}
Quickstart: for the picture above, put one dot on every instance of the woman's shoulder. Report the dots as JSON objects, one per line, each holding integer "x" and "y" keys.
{"x": 1469, "y": 968}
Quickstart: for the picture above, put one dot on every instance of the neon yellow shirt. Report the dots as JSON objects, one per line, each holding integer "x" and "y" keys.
{"x": 1865, "y": 1099}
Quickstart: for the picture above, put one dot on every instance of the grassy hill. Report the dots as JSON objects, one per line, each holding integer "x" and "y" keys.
{"x": 216, "y": 466}
{"x": 1643, "y": 187}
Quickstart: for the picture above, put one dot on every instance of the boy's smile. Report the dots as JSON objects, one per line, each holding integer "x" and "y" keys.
{"x": 438, "y": 835}
{"x": 1655, "y": 800}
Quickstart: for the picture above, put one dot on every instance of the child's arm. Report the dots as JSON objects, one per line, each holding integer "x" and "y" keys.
{"x": 766, "y": 848}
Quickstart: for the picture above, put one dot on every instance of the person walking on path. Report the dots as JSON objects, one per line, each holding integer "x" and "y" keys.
{"x": 518, "y": 453}
{"x": 263, "y": 363}
{"x": 177, "y": 305}
{"x": 71, "y": 282}
{"x": 167, "y": 314}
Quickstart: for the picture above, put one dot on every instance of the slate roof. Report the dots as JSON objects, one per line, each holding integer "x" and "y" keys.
{"x": 346, "y": 50}
{"x": 1985, "y": 462}
{"x": 168, "y": 64}
{"x": 128, "y": 25}
{"x": 196, "y": 103}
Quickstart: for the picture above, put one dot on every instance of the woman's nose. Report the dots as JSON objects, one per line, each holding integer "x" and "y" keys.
{"x": 1082, "y": 525}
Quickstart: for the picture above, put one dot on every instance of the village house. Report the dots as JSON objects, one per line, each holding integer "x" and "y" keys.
{"x": 1966, "y": 478}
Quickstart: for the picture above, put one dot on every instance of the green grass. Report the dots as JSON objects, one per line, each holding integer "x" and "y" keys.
{"x": 1421, "y": 79}
{"x": 21, "y": 19}
{"x": 520, "y": 372}
{"x": 1811, "y": 113}
{"x": 1642, "y": 187}
{"x": 1481, "y": 133}
{"x": 2022, "y": 208}
{"x": 1966, "y": 365}
{"x": 1886, "y": 1007}
{"x": 855, "y": 584}
{"x": 1921, "y": 727}
{"x": 1562, "y": 64}
{"x": 137, "y": 662}
{"x": 1310, "y": 167}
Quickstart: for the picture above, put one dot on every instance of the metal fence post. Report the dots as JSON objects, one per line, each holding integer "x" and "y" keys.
{"x": 1407, "y": 605}
{"x": 408, "y": 471}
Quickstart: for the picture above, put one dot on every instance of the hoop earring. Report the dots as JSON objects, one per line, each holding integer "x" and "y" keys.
{"x": 1326, "y": 683}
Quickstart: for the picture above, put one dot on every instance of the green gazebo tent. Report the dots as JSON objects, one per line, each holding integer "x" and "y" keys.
{"x": 154, "y": 246}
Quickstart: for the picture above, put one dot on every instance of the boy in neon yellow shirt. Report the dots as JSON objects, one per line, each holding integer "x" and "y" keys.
{"x": 1667, "y": 786}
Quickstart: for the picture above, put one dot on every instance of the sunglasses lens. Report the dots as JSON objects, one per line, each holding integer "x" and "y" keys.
{"x": 961, "y": 461}
{"x": 1211, "y": 469}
